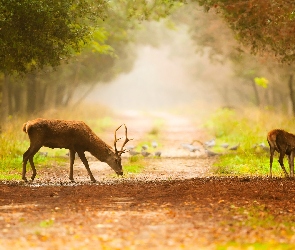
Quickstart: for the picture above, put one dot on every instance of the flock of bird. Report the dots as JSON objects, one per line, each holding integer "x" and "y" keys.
{"x": 207, "y": 146}
{"x": 144, "y": 150}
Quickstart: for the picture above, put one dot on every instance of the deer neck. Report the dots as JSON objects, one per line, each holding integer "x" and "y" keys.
{"x": 102, "y": 152}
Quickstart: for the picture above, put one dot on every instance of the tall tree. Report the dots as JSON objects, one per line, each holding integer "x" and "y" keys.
{"x": 265, "y": 26}
{"x": 38, "y": 33}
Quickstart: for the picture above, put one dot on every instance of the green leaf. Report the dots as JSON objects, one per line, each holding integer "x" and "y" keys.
{"x": 261, "y": 81}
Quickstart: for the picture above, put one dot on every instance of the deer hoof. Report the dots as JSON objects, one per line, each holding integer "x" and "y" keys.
{"x": 25, "y": 179}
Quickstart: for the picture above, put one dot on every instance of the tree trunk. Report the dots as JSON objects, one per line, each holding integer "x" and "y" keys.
{"x": 256, "y": 94}
{"x": 291, "y": 92}
{"x": 5, "y": 99}
{"x": 71, "y": 88}
{"x": 31, "y": 93}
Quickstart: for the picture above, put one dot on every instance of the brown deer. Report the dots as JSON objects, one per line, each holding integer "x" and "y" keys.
{"x": 75, "y": 136}
{"x": 284, "y": 143}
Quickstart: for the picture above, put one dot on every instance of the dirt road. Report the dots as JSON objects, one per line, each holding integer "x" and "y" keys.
{"x": 174, "y": 203}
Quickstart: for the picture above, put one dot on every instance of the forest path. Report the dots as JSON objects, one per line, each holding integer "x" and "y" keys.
{"x": 170, "y": 132}
{"x": 172, "y": 204}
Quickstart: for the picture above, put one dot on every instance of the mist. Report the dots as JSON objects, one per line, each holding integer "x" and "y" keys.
{"x": 165, "y": 76}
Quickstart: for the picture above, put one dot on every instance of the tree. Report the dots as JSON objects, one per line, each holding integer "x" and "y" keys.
{"x": 267, "y": 27}
{"x": 38, "y": 33}
{"x": 74, "y": 42}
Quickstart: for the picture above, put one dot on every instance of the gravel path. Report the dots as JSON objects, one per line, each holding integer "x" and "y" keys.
{"x": 175, "y": 162}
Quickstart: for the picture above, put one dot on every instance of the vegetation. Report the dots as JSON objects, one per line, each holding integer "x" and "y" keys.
{"x": 37, "y": 33}
{"x": 248, "y": 128}
{"x": 264, "y": 26}
{"x": 134, "y": 165}
{"x": 262, "y": 222}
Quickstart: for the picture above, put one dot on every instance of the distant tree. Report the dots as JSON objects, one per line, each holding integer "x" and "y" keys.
{"x": 266, "y": 26}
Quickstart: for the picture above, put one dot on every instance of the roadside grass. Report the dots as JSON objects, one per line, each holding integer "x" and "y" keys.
{"x": 14, "y": 142}
{"x": 257, "y": 227}
{"x": 248, "y": 128}
{"x": 135, "y": 164}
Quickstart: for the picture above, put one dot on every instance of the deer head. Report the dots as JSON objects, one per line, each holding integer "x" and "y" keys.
{"x": 115, "y": 162}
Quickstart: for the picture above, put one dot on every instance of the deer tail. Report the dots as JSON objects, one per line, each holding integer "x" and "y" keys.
{"x": 272, "y": 140}
{"x": 25, "y": 129}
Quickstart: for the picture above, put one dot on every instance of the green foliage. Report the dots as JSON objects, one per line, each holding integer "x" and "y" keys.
{"x": 135, "y": 164}
{"x": 36, "y": 33}
{"x": 147, "y": 10}
{"x": 261, "y": 81}
{"x": 249, "y": 128}
{"x": 265, "y": 26}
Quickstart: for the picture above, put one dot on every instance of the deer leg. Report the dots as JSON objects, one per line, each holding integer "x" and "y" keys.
{"x": 72, "y": 159}
{"x": 85, "y": 162}
{"x": 291, "y": 164}
{"x": 29, "y": 155}
{"x": 33, "y": 167}
{"x": 281, "y": 161}
{"x": 25, "y": 160}
{"x": 270, "y": 161}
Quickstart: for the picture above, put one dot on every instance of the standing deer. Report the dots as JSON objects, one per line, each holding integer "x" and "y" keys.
{"x": 75, "y": 136}
{"x": 284, "y": 143}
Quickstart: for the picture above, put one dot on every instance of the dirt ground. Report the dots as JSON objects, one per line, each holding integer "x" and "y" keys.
{"x": 175, "y": 203}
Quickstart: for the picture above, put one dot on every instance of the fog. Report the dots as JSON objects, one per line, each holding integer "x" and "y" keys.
{"x": 165, "y": 76}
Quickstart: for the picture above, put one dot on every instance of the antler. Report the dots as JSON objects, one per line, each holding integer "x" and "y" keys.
{"x": 119, "y": 152}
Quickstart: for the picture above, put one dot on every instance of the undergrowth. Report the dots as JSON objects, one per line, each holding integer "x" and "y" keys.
{"x": 134, "y": 165}
{"x": 248, "y": 129}
{"x": 261, "y": 228}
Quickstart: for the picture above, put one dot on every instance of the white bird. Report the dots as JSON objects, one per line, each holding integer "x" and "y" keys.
{"x": 190, "y": 147}
{"x": 224, "y": 145}
{"x": 265, "y": 148}
{"x": 145, "y": 153}
{"x": 211, "y": 153}
{"x": 43, "y": 153}
{"x": 154, "y": 144}
{"x": 130, "y": 147}
{"x": 132, "y": 152}
{"x": 235, "y": 147}
{"x": 158, "y": 153}
{"x": 210, "y": 143}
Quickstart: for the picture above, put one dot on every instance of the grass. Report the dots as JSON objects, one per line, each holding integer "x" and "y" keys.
{"x": 248, "y": 128}
{"x": 134, "y": 165}
{"x": 259, "y": 227}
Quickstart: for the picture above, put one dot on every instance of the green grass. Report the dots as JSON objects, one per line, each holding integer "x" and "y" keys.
{"x": 249, "y": 128}
{"x": 134, "y": 165}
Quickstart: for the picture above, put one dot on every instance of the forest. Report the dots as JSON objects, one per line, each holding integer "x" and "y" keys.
{"x": 50, "y": 50}
{"x": 163, "y": 110}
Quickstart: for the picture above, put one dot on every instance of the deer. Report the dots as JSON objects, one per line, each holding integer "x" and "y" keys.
{"x": 284, "y": 143}
{"x": 76, "y": 136}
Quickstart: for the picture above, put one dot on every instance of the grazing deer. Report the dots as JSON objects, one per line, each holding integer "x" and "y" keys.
{"x": 75, "y": 136}
{"x": 284, "y": 143}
